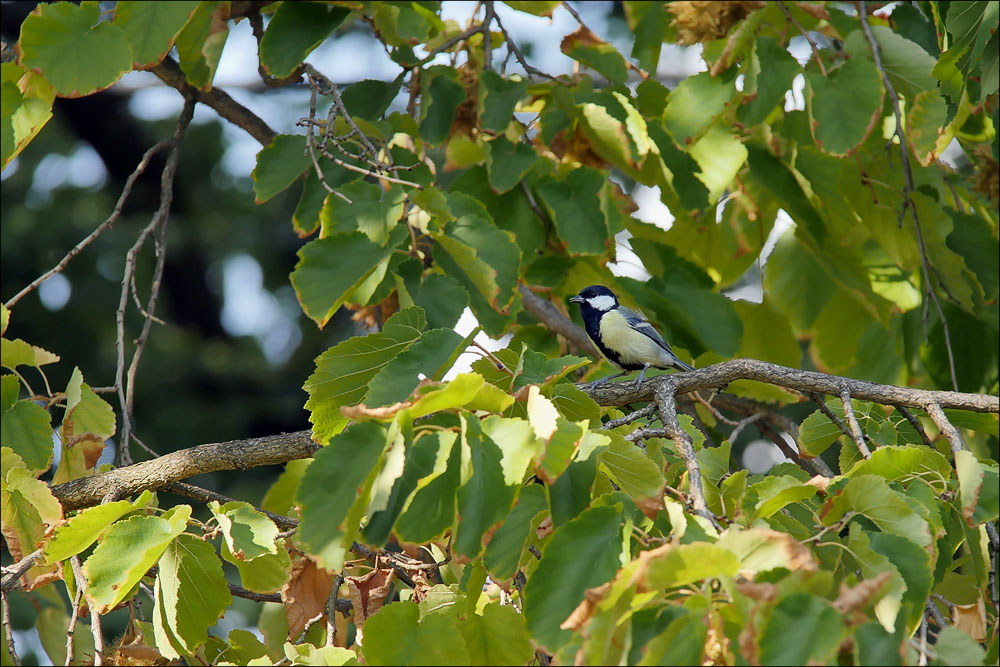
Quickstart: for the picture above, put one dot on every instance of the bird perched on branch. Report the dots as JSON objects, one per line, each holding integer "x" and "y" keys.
{"x": 624, "y": 336}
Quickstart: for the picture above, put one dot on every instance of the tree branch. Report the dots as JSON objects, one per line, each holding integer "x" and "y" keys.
{"x": 170, "y": 73}
{"x": 158, "y": 473}
{"x": 557, "y": 322}
{"x": 721, "y": 374}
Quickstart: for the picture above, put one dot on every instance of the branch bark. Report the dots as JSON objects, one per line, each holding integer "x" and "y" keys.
{"x": 169, "y": 468}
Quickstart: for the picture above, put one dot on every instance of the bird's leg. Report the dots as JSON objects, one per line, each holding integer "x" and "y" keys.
{"x": 642, "y": 374}
{"x": 610, "y": 377}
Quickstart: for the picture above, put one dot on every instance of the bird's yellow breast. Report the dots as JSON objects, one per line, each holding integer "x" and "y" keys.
{"x": 632, "y": 347}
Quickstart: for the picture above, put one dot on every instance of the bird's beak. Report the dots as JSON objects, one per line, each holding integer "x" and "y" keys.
{"x": 576, "y": 299}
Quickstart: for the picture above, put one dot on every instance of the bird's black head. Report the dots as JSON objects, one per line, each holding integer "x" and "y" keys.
{"x": 597, "y": 297}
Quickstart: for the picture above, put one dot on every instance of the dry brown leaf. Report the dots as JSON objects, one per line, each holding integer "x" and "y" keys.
{"x": 584, "y": 610}
{"x": 304, "y": 594}
{"x": 821, "y": 483}
{"x": 763, "y": 592}
{"x": 368, "y": 592}
{"x": 857, "y": 598}
{"x": 362, "y": 411}
{"x": 971, "y": 619}
{"x": 544, "y": 528}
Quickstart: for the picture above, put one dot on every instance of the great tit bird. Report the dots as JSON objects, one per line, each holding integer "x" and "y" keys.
{"x": 622, "y": 335}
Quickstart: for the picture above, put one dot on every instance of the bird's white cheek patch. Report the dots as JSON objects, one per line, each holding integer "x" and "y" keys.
{"x": 603, "y": 302}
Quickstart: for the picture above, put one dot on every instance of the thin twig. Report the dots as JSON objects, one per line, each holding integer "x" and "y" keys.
{"x": 70, "y": 632}
{"x": 529, "y": 69}
{"x": 489, "y": 14}
{"x": 629, "y": 418}
{"x": 8, "y": 630}
{"x": 908, "y": 186}
{"x": 805, "y": 33}
{"x": 13, "y": 573}
{"x": 331, "y": 610}
{"x": 915, "y": 423}
{"x": 111, "y": 219}
{"x": 95, "y": 616}
{"x": 852, "y": 420}
{"x": 944, "y": 425}
{"x": 665, "y": 394}
{"x": 206, "y": 495}
{"x": 735, "y": 433}
{"x": 825, "y": 409}
{"x": 126, "y": 392}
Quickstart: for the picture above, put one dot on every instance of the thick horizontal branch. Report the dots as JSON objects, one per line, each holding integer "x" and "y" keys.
{"x": 163, "y": 471}
{"x": 720, "y": 375}
{"x": 170, "y": 73}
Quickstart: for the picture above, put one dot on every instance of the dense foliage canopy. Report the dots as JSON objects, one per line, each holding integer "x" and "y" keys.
{"x": 827, "y": 220}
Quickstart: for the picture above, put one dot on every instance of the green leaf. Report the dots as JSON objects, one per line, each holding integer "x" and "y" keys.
{"x": 497, "y": 99}
{"x": 343, "y": 372}
{"x": 27, "y": 511}
{"x": 200, "y": 43}
{"x": 329, "y": 268}
{"x": 369, "y": 98}
{"x": 485, "y": 256}
{"x": 440, "y": 100}
{"x": 27, "y": 431}
{"x": 484, "y": 500}
{"x": 775, "y": 176}
{"x": 906, "y": 463}
{"x": 844, "y": 106}
{"x": 126, "y": 553}
{"x": 86, "y": 412}
{"x": 977, "y": 421}
{"x": 971, "y": 25}
{"x": 78, "y": 53}
{"x": 82, "y": 530}
{"x": 396, "y": 635}
{"x": 18, "y": 353}
{"x": 372, "y": 211}
{"x": 27, "y": 107}
{"x": 871, "y": 496}
{"x": 507, "y": 163}
{"x": 977, "y": 484}
{"x": 720, "y": 154}
{"x": 151, "y": 27}
{"x": 634, "y": 473}
{"x": 802, "y": 628}
{"x": 430, "y": 510}
{"x": 505, "y": 549}
{"x": 497, "y": 637}
{"x": 431, "y": 355}
{"x": 558, "y": 584}
{"x": 973, "y": 238}
{"x": 264, "y": 574}
{"x": 681, "y": 643}
{"x": 192, "y": 593}
{"x": 874, "y": 646}
{"x": 759, "y": 550}
{"x": 769, "y": 77}
{"x": 955, "y": 647}
{"x": 329, "y": 656}
{"x": 908, "y": 66}
{"x": 925, "y": 117}
{"x": 534, "y": 7}
{"x": 575, "y": 208}
{"x": 686, "y": 564}
{"x": 443, "y": 299}
{"x": 279, "y": 165}
{"x": 574, "y": 404}
{"x": 795, "y": 285}
{"x": 249, "y": 534}
{"x": 461, "y": 391}
{"x": 338, "y": 480}
{"x": 649, "y": 22}
{"x": 695, "y": 104}
{"x": 914, "y": 564}
{"x": 295, "y": 29}
{"x": 767, "y": 335}
{"x": 590, "y": 50}
{"x": 775, "y": 492}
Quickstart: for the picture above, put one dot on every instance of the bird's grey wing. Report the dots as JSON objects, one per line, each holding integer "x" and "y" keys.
{"x": 640, "y": 324}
